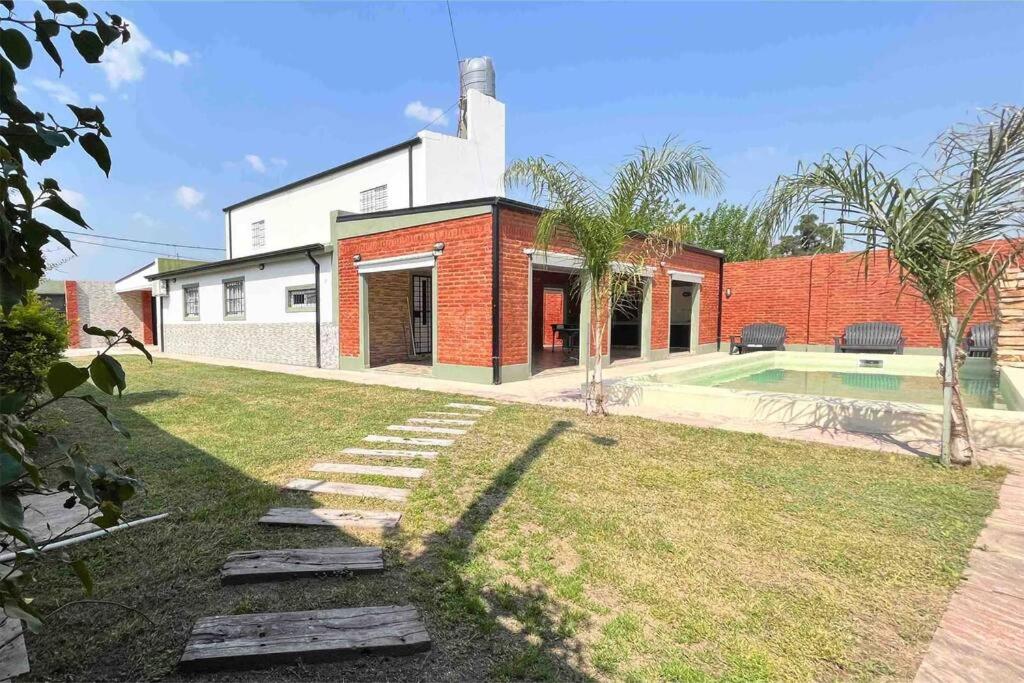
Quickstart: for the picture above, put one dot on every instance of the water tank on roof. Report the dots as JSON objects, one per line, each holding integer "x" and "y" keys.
{"x": 475, "y": 73}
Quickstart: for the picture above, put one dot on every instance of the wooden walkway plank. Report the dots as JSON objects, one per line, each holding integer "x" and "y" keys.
{"x": 249, "y": 566}
{"x": 341, "y": 519}
{"x": 340, "y": 488}
{"x": 471, "y": 406}
{"x": 386, "y": 453}
{"x": 247, "y": 641}
{"x": 408, "y": 441}
{"x": 426, "y": 430}
{"x": 441, "y": 421}
{"x": 379, "y": 470}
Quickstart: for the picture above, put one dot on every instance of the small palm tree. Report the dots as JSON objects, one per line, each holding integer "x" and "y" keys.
{"x": 952, "y": 230}
{"x": 615, "y": 229}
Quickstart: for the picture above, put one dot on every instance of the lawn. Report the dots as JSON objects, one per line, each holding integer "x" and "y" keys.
{"x": 544, "y": 544}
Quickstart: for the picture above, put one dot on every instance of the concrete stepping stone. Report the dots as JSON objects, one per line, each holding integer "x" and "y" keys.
{"x": 470, "y": 406}
{"x": 426, "y": 430}
{"x": 246, "y": 641}
{"x": 441, "y": 421}
{"x": 447, "y": 413}
{"x": 250, "y": 566}
{"x": 341, "y": 519}
{"x": 379, "y": 470}
{"x": 386, "y": 453}
{"x": 408, "y": 441}
{"x": 340, "y": 488}
{"x": 13, "y": 655}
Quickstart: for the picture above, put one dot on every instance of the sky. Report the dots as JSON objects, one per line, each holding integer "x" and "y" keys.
{"x": 211, "y": 103}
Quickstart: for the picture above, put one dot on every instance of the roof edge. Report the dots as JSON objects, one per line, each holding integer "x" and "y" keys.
{"x": 242, "y": 260}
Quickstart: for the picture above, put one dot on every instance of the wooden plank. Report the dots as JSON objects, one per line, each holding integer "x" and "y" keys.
{"x": 408, "y": 441}
{"x": 451, "y": 414}
{"x": 247, "y": 641}
{"x": 386, "y": 453}
{"x": 340, "y": 488}
{"x": 249, "y": 566}
{"x": 426, "y": 430}
{"x": 470, "y": 406}
{"x": 341, "y": 519}
{"x": 380, "y": 470}
{"x": 440, "y": 421}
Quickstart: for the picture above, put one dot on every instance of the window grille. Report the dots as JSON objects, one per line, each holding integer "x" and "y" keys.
{"x": 234, "y": 298}
{"x": 259, "y": 234}
{"x": 374, "y": 199}
{"x": 191, "y": 301}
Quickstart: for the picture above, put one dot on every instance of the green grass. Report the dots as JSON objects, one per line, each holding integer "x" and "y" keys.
{"x": 545, "y": 544}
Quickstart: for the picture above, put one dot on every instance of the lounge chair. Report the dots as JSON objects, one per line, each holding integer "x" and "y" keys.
{"x": 875, "y": 337}
{"x": 759, "y": 337}
{"x": 979, "y": 340}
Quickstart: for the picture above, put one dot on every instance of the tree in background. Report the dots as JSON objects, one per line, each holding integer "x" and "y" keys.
{"x": 809, "y": 238}
{"x": 953, "y": 230}
{"x": 735, "y": 229}
{"x": 33, "y": 336}
{"x": 614, "y": 228}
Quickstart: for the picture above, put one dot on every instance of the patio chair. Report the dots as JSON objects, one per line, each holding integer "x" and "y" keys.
{"x": 874, "y": 337}
{"x": 979, "y": 340}
{"x": 759, "y": 337}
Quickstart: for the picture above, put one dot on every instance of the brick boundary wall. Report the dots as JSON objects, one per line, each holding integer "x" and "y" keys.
{"x": 147, "y": 317}
{"x": 816, "y": 297}
{"x": 71, "y": 313}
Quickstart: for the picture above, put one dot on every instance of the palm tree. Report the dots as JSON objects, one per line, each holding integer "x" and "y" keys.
{"x": 952, "y": 230}
{"x": 615, "y": 228}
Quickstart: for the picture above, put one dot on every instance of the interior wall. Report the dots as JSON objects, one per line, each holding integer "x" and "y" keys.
{"x": 542, "y": 320}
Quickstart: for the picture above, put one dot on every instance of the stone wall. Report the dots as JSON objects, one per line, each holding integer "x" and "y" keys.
{"x": 1010, "y": 341}
{"x": 289, "y": 343}
{"x": 99, "y": 305}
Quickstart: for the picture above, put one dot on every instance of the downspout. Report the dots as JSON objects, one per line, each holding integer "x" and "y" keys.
{"x": 316, "y": 287}
{"x": 160, "y": 311}
{"x": 495, "y": 294}
{"x": 721, "y": 299}
{"x": 229, "y": 235}
{"x": 410, "y": 177}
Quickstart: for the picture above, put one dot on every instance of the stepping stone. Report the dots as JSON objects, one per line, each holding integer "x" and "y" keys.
{"x": 341, "y": 519}
{"x": 451, "y": 414}
{"x": 339, "y": 488}
{"x": 13, "y": 655}
{"x": 408, "y": 441}
{"x": 250, "y": 566}
{"x": 246, "y": 641}
{"x": 385, "y": 453}
{"x": 425, "y": 430}
{"x": 470, "y": 406}
{"x": 440, "y": 421}
{"x": 381, "y": 470}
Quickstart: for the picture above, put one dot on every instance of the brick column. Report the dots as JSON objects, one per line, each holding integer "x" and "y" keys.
{"x": 71, "y": 303}
{"x": 147, "y": 317}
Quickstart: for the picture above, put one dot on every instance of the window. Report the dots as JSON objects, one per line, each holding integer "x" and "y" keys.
{"x": 374, "y": 199}
{"x": 259, "y": 234}
{"x": 234, "y": 298}
{"x": 302, "y": 298}
{"x": 191, "y": 296}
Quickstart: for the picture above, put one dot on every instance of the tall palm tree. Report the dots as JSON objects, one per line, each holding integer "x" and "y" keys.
{"x": 952, "y": 229}
{"x": 615, "y": 228}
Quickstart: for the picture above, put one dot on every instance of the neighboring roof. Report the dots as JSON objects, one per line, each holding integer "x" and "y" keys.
{"x": 163, "y": 264}
{"x": 50, "y": 287}
{"x": 483, "y": 201}
{"x": 232, "y": 262}
{"x": 331, "y": 171}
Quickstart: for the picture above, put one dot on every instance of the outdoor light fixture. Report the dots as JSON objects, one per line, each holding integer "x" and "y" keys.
{"x": 728, "y": 292}
{"x": 357, "y": 258}
{"x": 262, "y": 266}
{"x": 438, "y": 246}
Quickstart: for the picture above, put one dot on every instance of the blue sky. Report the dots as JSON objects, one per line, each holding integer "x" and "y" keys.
{"x": 227, "y": 100}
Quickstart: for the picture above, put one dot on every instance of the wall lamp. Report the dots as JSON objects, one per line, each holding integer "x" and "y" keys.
{"x": 728, "y": 292}
{"x": 357, "y": 258}
{"x": 438, "y": 248}
{"x": 262, "y": 266}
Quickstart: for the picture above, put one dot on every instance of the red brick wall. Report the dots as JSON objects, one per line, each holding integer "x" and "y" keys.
{"x": 463, "y": 282}
{"x": 71, "y": 302}
{"x": 552, "y": 313}
{"x": 389, "y": 316}
{"x": 816, "y": 297}
{"x": 147, "y": 317}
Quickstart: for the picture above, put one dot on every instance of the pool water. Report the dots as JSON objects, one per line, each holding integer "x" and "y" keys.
{"x": 978, "y": 392}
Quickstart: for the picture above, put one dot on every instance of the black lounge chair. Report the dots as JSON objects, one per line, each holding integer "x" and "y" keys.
{"x": 759, "y": 337}
{"x": 979, "y": 340}
{"x": 871, "y": 338}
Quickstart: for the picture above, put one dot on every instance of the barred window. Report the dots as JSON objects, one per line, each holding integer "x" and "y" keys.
{"x": 259, "y": 234}
{"x": 374, "y": 199}
{"x": 191, "y": 295}
{"x": 234, "y": 298}
{"x": 302, "y": 299}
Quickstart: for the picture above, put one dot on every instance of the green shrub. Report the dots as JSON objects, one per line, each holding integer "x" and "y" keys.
{"x": 32, "y": 338}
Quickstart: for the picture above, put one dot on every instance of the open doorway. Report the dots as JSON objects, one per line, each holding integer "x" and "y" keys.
{"x": 555, "y": 320}
{"x": 681, "y": 320}
{"x": 627, "y": 325}
{"x": 399, "y": 317}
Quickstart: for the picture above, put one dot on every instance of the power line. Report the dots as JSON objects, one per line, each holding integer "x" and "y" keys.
{"x": 114, "y": 246}
{"x": 127, "y": 239}
{"x": 451, "y": 23}
{"x": 439, "y": 117}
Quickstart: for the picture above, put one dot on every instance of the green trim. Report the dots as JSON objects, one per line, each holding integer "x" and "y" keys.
{"x": 529, "y": 318}
{"x": 288, "y": 308}
{"x": 433, "y": 314}
{"x": 695, "y": 292}
{"x": 364, "y": 321}
{"x": 351, "y": 363}
{"x": 516, "y": 373}
{"x": 584, "y": 350}
{"x": 647, "y": 319}
{"x": 224, "y": 298}
{"x": 478, "y": 374}
{"x": 375, "y": 225}
{"x": 335, "y": 296}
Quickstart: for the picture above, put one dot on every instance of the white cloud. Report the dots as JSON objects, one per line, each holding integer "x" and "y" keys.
{"x": 143, "y": 219}
{"x": 61, "y": 93}
{"x": 256, "y": 163}
{"x": 188, "y": 197}
{"x": 97, "y": 98}
{"x": 421, "y": 112}
{"x": 75, "y": 199}
{"x": 124, "y": 62}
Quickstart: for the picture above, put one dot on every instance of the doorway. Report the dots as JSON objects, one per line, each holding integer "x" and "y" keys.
{"x": 684, "y": 317}
{"x": 422, "y": 315}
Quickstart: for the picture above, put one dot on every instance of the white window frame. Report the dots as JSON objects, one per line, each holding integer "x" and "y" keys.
{"x": 259, "y": 234}
{"x": 185, "y": 289}
{"x": 374, "y": 199}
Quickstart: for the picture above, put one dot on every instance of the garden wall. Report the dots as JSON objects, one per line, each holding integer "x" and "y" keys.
{"x": 94, "y": 302}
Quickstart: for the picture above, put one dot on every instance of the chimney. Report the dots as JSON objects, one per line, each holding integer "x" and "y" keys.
{"x": 475, "y": 73}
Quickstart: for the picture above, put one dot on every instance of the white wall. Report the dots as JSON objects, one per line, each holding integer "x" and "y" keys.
{"x": 137, "y": 280}
{"x": 265, "y": 292}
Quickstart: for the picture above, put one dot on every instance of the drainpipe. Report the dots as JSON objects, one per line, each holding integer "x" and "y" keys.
{"x": 160, "y": 312}
{"x": 230, "y": 235}
{"x": 316, "y": 286}
{"x": 721, "y": 299}
{"x": 495, "y": 294}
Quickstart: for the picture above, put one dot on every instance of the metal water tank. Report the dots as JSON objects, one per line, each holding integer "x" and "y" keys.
{"x": 476, "y": 73}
